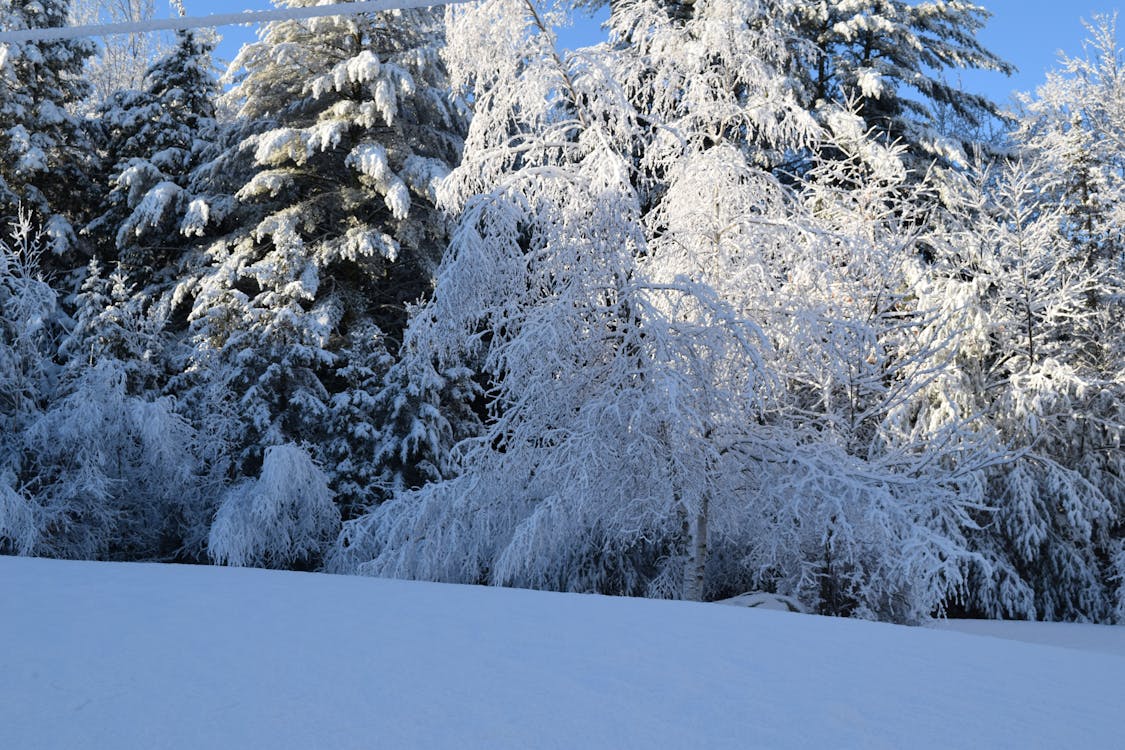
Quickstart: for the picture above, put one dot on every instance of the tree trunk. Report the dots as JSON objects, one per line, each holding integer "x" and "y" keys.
{"x": 697, "y": 561}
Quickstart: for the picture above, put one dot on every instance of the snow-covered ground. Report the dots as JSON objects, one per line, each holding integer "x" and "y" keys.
{"x": 1097, "y": 638}
{"x": 96, "y": 655}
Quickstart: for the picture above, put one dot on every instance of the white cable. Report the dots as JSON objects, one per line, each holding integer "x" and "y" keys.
{"x": 216, "y": 19}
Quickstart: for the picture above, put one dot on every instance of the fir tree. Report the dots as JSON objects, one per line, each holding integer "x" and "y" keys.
{"x": 114, "y": 321}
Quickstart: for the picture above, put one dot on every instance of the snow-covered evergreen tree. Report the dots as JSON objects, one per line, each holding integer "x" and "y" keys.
{"x": 1076, "y": 123}
{"x": 422, "y": 413}
{"x": 46, "y": 159}
{"x": 114, "y": 321}
{"x": 889, "y": 59}
{"x": 1019, "y": 308}
{"x": 327, "y": 228}
{"x": 392, "y": 422}
{"x": 154, "y": 138}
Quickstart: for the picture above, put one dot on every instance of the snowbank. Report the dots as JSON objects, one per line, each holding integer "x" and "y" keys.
{"x": 96, "y": 655}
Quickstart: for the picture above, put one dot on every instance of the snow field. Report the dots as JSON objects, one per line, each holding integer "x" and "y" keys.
{"x": 99, "y": 655}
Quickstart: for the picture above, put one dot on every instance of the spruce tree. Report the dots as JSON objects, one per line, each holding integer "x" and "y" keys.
{"x": 46, "y": 158}
{"x": 326, "y": 227}
{"x": 888, "y": 60}
{"x": 153, "y": 139}
{"x": 1075, "y": 123}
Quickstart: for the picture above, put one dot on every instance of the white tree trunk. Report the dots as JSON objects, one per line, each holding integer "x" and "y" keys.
{"x": 697, "y": 561}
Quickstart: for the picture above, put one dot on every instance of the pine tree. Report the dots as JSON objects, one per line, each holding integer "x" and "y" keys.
{"x": 888, "y": 60}
{"x": 45, "y": 152}
{"x": 1018, "y": 309}
{"x": 154, "y": 139}
{"x": 327, "y": 229}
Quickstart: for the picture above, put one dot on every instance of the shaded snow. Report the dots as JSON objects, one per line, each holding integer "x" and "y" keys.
{"x": 139, "y": 656}
{"x": 1105, "y": 639}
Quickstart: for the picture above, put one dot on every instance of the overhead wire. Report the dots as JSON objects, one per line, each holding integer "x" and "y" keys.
{"x": 214, "y": 20}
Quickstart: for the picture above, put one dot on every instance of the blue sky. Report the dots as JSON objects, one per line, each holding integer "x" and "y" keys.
{"x": 1027, "y": 33}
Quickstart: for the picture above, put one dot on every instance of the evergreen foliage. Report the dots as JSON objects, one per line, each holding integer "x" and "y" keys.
{"x": 154, "y": 138}
{"x": 46, "y": 158}
{"x": 344, "y": 129}
{"x": 890, "y": 60}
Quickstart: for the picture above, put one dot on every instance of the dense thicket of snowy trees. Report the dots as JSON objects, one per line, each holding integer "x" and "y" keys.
{"x": 732, "y": 301}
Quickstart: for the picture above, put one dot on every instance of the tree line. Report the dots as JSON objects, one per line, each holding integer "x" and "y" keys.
{"x": 747, "y": 297}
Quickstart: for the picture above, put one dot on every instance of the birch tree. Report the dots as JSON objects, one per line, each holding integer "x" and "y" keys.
{"x": 598, "y": 468}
